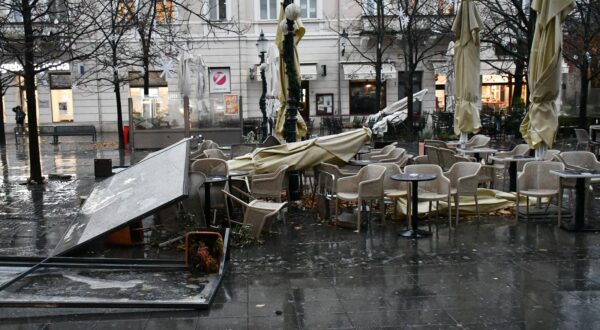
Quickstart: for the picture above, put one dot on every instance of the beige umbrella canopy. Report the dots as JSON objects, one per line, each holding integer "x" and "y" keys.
{"x": 305, "y": 154}
{"x": 301, "y": 128}
{"x": 467, "y": 65}
{"x": 541, "y": 121}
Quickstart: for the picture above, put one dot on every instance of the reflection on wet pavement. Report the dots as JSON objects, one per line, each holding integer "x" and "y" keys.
{"x": 496, "y": 274}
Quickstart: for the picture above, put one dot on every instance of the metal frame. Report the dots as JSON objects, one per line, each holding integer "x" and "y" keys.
{"x": 117, "y": 264}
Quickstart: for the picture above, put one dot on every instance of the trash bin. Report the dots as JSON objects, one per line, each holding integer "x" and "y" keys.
{"x": 126, "y": 134}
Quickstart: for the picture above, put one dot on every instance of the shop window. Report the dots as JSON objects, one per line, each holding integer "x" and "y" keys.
{"x": 363, "y": 98}
{"x": 152, "y": 110}
{"x": 217, "y": 10}
{"x": 61, "y": 97}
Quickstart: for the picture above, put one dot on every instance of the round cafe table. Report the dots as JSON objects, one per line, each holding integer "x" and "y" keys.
{"x": 210, "y": 179}
{"x": 414, "y": 179}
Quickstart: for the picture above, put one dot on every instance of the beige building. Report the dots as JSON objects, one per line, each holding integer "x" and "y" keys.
{"x": 332, "y": 74}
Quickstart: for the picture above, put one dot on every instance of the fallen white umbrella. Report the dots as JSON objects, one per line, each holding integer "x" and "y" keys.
{"x": 393, "y": 114}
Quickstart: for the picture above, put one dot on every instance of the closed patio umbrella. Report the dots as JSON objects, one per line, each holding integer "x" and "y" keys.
{"x": 303, "y": 155}
{"x": 301, "y": 128}
{"x": 544, "y": 77}
{"x": 467, "y": 70}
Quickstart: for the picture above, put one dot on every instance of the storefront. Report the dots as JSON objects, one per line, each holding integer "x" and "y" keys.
{"x": 151, "y": 111}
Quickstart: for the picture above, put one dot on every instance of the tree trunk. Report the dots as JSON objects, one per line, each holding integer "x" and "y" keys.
{"x": 146, "y": 66}
{"x": 378, "y": 88}
{"x": 410, "y": 118}
{"x": 518, "y": 87}
{"x": 117, "y": 87}
{"x": 35, "y": 168}
{"x": 585, "y": 82}
{"x": 2, "y": 132}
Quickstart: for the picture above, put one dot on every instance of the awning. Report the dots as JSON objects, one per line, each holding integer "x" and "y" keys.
{"x": 366, "y": 71}
{"x": 308, "y": 71}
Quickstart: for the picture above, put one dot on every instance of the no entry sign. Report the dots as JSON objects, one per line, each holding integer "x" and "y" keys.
{"x": 220, "y": 80}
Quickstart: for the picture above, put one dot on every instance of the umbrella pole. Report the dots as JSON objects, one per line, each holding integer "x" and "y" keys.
{"x": 540, "y": 151}
{"x": 464, "y": 136}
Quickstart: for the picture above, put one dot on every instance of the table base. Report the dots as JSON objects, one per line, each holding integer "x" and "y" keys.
{"x": 417, "y": 233}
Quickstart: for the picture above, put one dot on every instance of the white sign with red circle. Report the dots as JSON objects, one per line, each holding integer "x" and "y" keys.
{"x": 220, "y": 80}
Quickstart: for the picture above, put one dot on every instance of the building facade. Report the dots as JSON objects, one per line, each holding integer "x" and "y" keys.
{"x": 336, "y": 80}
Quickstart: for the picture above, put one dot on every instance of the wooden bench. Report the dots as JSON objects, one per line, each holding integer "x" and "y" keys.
{"x": 56, "y": 131}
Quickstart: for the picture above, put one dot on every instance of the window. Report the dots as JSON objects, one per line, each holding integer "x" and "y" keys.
{"x": 362, "y": 97}
{"x": 152, "y": 110}
{"x": 126, "y": 9}
{"x": 370, "y": 7}
{"x": 57, "y": 11}
{"x": 164, "y": 11}
{"x": 268, "y": 9}
{"x": 445, "y": 7}
{"x": 217, "y": 10}
{"x": 308, "y": 8}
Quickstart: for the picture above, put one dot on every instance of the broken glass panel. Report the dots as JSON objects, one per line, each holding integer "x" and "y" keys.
{"x": 129, "y": 195}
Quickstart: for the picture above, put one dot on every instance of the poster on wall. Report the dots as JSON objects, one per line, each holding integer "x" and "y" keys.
{"x": 220, "y": 80}
{"x": 232, "y": 105}
{"x": 62, "y": 108}
{"x": 324, "y": 104}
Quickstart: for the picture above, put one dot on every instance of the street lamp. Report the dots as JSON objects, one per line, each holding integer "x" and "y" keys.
{"x": 262, "y": 44}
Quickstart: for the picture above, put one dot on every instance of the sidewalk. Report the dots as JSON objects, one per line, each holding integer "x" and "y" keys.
{"x": 496, "y": 274}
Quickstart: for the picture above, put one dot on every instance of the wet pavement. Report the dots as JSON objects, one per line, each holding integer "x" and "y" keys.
{"x": 492, "y": 274}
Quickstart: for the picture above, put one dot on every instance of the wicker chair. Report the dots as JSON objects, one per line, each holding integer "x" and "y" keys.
{"x": 258, "y": 214}
{"x": 381, "y": 153}
{"x": 464, "y": 179}
{"x": 577, "y": 160}
{"x": 392, "y": 157}
{"x": 584, "y": 142}
{"x": 433, "y": 191}
{"x": 446, "y": 157}
{"x": 268, "y": 185}
{"x": 240, "y": 150}
{"x": 478, "y": 141}
{"x": 436, "y": 143}
{"x": 432, "y": 154}
{"x": 215, "y": 153}
{"x": 366, "y": 185}
{"x": 537, "y": 182}
{"x": 393, "y": 189}
{"x": 518, "y": 150}
{"x": 211, "y": 167}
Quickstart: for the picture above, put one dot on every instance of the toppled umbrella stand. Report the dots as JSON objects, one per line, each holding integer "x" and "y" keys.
{"x": 155, "y": 183}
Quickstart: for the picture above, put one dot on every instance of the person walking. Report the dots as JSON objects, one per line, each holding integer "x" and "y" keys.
{"x": 19, "y": 118}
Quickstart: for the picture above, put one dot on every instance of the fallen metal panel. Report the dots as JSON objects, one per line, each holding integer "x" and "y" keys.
{"x": 163, "y": 287}
{"x": 130, "y": 195}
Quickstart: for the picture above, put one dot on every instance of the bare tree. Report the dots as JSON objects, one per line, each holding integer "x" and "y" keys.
{"x": 424, "y": 30}
{"x": 420, "y": 28}
{"x": 142, "y": 33}
{"x": 42, "y": 35}
{"x": 376, "y": 21}
{"x": 508, "y": 27}
{"x": 581, "y": 42}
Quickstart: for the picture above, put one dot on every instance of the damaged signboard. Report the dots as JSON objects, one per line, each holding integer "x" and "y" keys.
{"x": 156, "y": 182}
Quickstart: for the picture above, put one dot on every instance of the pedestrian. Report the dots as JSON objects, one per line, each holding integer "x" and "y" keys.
{"x": 19, "y": 118}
